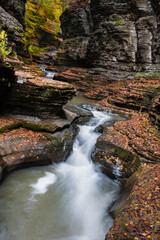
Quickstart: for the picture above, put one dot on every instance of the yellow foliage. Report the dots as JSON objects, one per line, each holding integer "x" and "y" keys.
{"x": 42, "y": 15}
{"x": 4, "y": 50}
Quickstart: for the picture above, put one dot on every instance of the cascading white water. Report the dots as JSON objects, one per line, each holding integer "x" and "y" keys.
{"x": 67, "y": 201}
{"x": 49, "y": 73}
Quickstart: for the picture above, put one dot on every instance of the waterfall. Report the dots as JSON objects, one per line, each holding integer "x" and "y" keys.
{"x": 66, "y": 201}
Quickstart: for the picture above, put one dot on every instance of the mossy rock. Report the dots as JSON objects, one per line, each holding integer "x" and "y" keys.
{"x": 114, "y": 161}
{"x": 39, "y": 127}
{"x": 10, "y": 127}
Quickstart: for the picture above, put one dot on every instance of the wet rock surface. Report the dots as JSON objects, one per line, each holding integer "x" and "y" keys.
{"x": 111, "y": 155}
{"x": 114, "y": 161}
{"x": 22, "y": 148}
{"x": 26, "y": 141}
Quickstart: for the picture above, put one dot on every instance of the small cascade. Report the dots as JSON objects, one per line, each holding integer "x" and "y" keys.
{"x": 66, "y": 201}
{"x": 48, "y": 72}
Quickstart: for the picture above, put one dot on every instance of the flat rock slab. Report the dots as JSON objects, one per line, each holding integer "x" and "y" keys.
{"x": 43, "y": 82}
{"x": 136, "y": 135}
{"x": 25, "y": 74}
{"x": 20, "y": 146}
{"x": 10, "y": 122}
{"x": 84, "y": 79}
{"x": 135, "y": 93}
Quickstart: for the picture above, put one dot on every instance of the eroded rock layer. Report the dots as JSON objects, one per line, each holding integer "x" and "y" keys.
{"x": 31, "y": 94}
{"x": 122, "y": 34}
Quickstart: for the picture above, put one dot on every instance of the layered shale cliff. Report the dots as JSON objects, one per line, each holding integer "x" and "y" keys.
{"x": 113, "y": 34}
{"x": 11, "y": 20}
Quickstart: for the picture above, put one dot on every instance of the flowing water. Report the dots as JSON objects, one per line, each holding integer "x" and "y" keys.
{"x": 66, "y": 201}
{"x": 49, "y": 73}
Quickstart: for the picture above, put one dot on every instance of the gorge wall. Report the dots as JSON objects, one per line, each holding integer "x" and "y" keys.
{"x": 12, "y": 20}
{"x": 113, "y": 34}
{"x": 15, "y": 8}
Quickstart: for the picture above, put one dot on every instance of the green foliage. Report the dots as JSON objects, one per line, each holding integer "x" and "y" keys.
{"x": 149, "y": 74}
{"x": 42, "y": 24}
{"x": 4, "y": 50}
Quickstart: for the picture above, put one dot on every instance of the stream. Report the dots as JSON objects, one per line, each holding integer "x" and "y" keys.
{"x": 65, "y": 201}
{"x": 48, "y": 73}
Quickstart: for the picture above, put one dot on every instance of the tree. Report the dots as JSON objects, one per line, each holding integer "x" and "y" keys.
{"x": 42, "y": 19}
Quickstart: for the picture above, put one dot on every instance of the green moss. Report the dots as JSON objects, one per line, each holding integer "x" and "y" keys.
{"x": 39, "y": 126}
{"x": 10, "y": 127}
{"x": 148, "y": 74}
{"x": 4, "y": 49}
{"x": 50, "y": 137}
{"x": 47, "y": 93}
{"x": 155, "y": 89}
{"x": 99, "y": 97}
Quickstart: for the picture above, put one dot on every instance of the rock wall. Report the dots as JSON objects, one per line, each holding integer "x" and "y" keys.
{"x": 11, "y": 20}
{"x": 76, "y": 27}
{"x": 124, "y": 34}
{"x": 76, "y": 21}
{"x": 15, "y": 8}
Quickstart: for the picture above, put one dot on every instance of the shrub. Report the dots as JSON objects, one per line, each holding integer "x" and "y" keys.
{"x": 4, "y": 50}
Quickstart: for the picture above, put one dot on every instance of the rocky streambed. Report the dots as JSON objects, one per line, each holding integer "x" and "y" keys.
{"x": 30, "y": 139}
{"x": 47, "y": 147}
{"x": 41, "y": 139}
